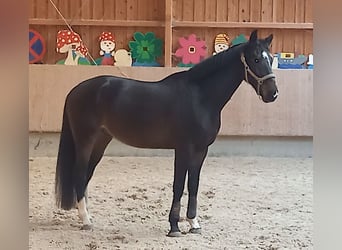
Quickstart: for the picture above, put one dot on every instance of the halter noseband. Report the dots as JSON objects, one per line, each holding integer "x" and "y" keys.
{"x": 260, "y": 80}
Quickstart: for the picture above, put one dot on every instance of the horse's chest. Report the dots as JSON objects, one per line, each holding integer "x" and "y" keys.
{"x": 206, "y": 128}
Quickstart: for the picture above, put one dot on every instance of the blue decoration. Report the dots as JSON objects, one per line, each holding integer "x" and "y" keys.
{"x": 37, "y": 47}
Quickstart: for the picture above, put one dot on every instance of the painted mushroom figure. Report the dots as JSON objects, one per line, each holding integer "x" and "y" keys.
{"x": 67, "y": 41}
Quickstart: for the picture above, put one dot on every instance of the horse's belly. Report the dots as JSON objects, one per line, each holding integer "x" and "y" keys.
{"x": 143, "y": 138}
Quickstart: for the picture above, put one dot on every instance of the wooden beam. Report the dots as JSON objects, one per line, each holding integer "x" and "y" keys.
{"x": 90, "y": 22}
{"x": 261, "y": 25}
{"x": 168, "y": 33}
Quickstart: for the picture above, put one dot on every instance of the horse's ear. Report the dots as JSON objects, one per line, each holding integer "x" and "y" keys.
{"x": 268, "y": 40}
{"x": 254, "y": 36}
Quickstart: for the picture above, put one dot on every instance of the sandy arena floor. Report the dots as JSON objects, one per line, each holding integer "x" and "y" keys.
{"x": 243, "y": 203}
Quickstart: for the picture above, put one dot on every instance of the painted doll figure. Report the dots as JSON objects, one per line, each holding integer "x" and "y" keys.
{"x": 221, "y": 43}
{"x": 107, "y": 45}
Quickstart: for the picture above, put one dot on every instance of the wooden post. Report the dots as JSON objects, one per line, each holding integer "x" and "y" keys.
{"x": 168, "y": 33}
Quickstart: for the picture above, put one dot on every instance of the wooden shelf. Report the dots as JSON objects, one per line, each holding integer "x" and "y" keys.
{"x": 171, "y": 21}
{"x": 185, "y": 24}
{"x": 261, "y": 25}
{"x": 90, "y": 22}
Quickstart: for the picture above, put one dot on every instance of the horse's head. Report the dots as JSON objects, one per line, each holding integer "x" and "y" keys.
{"x": 257, "y": 60}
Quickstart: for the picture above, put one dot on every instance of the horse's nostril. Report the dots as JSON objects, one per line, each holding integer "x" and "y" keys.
{"x": 275, "y": 94}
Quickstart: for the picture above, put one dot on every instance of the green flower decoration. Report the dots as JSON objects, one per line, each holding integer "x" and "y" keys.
{"x": 145, "y": 48}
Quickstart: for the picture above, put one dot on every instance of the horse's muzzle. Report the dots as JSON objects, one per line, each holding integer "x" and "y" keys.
{"x": 270, "y": 97}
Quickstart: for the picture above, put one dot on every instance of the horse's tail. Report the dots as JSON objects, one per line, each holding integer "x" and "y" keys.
{"x": 64, "y": 186}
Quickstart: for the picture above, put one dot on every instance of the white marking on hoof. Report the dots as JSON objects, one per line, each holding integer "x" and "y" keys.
{"x": 83, "y": 213}
{"x": 194, "y": 224}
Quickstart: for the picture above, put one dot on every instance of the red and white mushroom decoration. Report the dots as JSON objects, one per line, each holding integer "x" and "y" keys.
{"x": 82, "y": 50}
{"x": 67, "y": 40}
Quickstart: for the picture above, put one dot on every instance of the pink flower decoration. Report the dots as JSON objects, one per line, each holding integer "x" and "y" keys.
{"x": 191, "y": 50}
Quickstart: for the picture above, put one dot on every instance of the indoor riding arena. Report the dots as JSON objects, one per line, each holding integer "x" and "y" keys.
{"x": 256, "y": 182}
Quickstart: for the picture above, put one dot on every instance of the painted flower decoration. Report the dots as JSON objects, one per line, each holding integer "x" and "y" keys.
{"x": 192, "y": 50}
{"x": 145, "y": 48}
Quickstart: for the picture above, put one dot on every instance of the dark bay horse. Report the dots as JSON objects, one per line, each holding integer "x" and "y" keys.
{"x": 180, "y": 112}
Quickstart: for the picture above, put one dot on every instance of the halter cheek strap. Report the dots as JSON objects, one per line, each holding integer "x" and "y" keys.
{"x": 260, "y": 80}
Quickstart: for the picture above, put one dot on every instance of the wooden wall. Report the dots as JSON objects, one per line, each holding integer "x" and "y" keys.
{"x": 245, "y": 115}
{"x": 290, "y": 21}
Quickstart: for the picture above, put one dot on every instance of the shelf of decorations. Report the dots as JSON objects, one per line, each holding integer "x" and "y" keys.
{"x": 146, "y": 49}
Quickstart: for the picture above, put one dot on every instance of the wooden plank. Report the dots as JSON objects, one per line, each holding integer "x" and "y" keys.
{"x": 290, "y": 115}
{"x": 168, "y": 33}
{"x": 132, "y": 10}
{"x": 158, "y": 10}
{"x": 222, "y": 11}
{"x": 244, "y": 11}
{"x": 151, "y": 10}
{"x": 109, "y": 9}
{"x": 277, "y": 43}
{"x": 120, "y": 10}
{"x": 308, "y": 41}
{"x": 86, "y": 12}
{"x": 288, "y": 42}
{"x": 308, "y": 11}
{"x": 300, "y": 11}
{"x": 267, "y": 11}
{"x": 98, "y": 10}
{"x": 262, "y": 25}
{"x": 63, "y": 7}
{"x": 41, "y": 8}
{"x": 142, "y": 13}
{"x": 233, "y": 10}
{"x": 199, "y": 10}
{"x": 255, "y": 10}
{"x": 278, "y": 11}
{"x": 32, "y": 8}
{"x": 51, "y": 53}
{"x": 51, "y": 11}
{"x": 188, "y": 10}
{"x": 76, "y": 9}
{"x": 289, "y": 11}
{"x": 299, "y": 42}
{"x": 177, "y": 10}
{"x": 91, "y": 22}
{"x": 210, "y": 10}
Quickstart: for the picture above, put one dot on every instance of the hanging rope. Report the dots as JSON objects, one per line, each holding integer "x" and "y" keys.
{"x": 69, "y": 27}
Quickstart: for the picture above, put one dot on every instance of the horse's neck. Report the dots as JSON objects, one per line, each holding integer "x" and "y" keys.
{"x": 222, "y": 85}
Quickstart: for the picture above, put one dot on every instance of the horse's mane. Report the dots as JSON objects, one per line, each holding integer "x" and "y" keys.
{"x": 214, "y": 63}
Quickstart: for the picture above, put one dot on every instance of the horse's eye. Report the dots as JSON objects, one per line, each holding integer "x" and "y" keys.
{"x": 256, "y": 60}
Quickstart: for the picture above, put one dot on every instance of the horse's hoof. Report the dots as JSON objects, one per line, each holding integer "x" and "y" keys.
{"x": 175, "y": 234}
{"x": 87, "y": 227}
{"x": 195, "y": 231}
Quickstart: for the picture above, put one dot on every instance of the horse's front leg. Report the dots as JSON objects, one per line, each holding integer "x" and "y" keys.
{"x": 180, "y": 169}
{"x": 186, "y": 160}
{"x": 193, "y": 183}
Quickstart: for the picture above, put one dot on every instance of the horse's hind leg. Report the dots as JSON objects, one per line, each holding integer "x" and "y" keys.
{"x": 84, "y": 146}
{"x": 102, "y": 140}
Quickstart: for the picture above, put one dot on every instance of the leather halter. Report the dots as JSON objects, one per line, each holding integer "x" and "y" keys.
{"x": 260, "y": 80}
